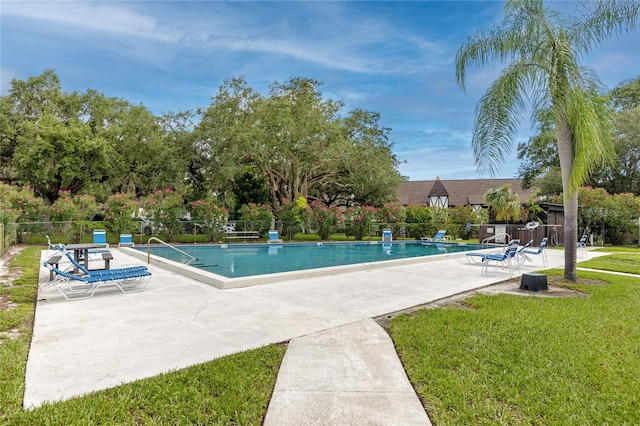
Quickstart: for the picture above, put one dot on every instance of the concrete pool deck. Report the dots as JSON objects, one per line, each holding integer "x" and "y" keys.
{"x": 113, "y": 338}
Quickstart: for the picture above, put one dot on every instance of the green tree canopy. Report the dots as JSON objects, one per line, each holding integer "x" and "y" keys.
{"x": 298, "y": 141}
{"x": 540, "y": 165}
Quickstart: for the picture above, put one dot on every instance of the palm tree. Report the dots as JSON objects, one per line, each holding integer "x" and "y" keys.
{"x": 543, "y": 52}
{"x": 504, "y": 203}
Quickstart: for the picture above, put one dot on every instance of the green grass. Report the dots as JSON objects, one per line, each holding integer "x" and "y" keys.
{"x": 501, "y": 360}
{"x": 620, "y": 262}
{"x": 619, "y": 249}
{"x": 234, "y": 390}
{"x": 527, "y": 360}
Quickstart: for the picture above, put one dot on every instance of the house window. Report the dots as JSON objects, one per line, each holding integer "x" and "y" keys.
{"x": 441, "y": 201}
{"x": 476, "y": 207}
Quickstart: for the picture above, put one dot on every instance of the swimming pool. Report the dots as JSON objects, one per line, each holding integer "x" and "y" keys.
{"x": 248, "y": 261}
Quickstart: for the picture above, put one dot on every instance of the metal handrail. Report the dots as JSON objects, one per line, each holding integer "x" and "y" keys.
{"x": 493, "y": 237}
{"x": 195, "y": 231}
{"x": 168, "y": 245}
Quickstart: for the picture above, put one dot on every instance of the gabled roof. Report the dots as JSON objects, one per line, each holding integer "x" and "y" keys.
{"x": 438, "y": 189}
{"x": 461, "y": 192}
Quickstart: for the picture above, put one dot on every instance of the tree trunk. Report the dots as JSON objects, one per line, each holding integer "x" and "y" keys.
{"x": 570, "y": 197}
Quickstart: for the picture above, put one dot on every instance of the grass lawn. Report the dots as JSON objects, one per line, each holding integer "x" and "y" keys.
{"x": 499, "y": 359}
{"x": 619, "y": 262}
{"x": 234, "y": 390}
{"x": 507, "y": 359}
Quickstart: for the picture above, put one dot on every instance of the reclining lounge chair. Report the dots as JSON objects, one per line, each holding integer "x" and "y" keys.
{"x": 539, "y": 251}
{"x": 76, "y": 287}
{"x": 440, "y": 236}
{"x": 85, "y": 271}
{"x": 507, "y": 259}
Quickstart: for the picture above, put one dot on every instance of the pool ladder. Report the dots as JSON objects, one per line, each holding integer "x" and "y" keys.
{"x": 192, "y": 258}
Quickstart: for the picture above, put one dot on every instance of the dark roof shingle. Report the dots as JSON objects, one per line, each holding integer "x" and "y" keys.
{"x": 461, "y": 192}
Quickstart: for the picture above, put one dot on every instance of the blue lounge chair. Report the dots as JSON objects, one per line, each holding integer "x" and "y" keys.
{"x": 521, "y": 254}
{"x": 440, "y": 236}
{"x": 387, "y": 241}
{"x": 539, "y": 251}
{"x": 80, "y": 267}
{"x": 126, "y": 240}
{"x": 100, "y": 238}
{"x": 478, "y": 257}
{"x": 76, "y": 287}
{"x": 274, "y": 238}
{"x": 506, "y": 260}
{"x": 582, "y": 246}
{"x": 53, "y": 246}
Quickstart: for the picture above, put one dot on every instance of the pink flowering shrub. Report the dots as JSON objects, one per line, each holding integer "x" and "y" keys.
{"x": 211, "y": 215}
{"x": 612, "y": 217}
{"x": 22, "y": 199}
{"x": 74, "y": 209}
{"x": 291, "y": 214}
{"x": 119, "y": 209}
{"x": 360, "y": 219}
{"x": 70, "y": 207}
{"x": 255, "y": 217}
{"x": 324, "y": 219}
{"x": 164, "y": 208}
{"x": 391, "y": 213}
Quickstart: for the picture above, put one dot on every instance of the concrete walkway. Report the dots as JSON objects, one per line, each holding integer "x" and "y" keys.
{"x": 88, "y": 345}
{"x": 348, "y": 375}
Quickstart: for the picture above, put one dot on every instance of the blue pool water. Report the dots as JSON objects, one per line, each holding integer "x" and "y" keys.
{"x": 243, "y": 260}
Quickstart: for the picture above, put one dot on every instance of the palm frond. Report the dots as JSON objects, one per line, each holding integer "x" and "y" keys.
{"x": 602, "y": 20}
{"x": 590, "y": 119}
{"x": 497, "y": 117}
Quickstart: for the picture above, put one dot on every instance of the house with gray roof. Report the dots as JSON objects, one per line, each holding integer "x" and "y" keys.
{"x": 470, "y": 192}
{"x": 451, "y": 193}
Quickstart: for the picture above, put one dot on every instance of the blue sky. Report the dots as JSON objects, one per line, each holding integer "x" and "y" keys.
{"x": 395, "y": 58}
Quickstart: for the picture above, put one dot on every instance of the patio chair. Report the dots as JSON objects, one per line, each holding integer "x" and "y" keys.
{"x": 274, "y": 238}
{"x": 582, "y": 246}
{"x": 478, "y": 257}
{"x": 126, "y": 240}
{"x": 440, "y": 236}
{"x": 76, "y": 287}
{"x": 521, "y": 253}
{"x": 100, "y": 238}
{"x": 506, "y": 260}
{"x": 387, "y": 241}
{"x": 80, "y": 267}
{"x": 53, "y": 246}
{"x": 539, "y": 251}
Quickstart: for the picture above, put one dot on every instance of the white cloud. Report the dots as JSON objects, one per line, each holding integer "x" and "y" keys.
{"x": 6, "y": 75}
{"x": 105, "y": 17}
